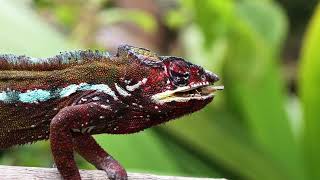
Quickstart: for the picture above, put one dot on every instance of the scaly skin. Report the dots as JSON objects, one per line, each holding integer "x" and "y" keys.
{"x": 71, "y": 96}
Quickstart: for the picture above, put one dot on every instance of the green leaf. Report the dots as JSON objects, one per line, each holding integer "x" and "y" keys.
{"x": 214, "y": 134}
{"x": 212, "y": 17}
{"x": 259, "y": 16}
{"x": 309, "y": 88}
{"x": 253, "y": 83}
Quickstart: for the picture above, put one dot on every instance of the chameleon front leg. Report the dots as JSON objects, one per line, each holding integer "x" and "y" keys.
{"x": 61, "y": 137}
{"x": 61, "y": 142}
{"x": 88, "y": 148}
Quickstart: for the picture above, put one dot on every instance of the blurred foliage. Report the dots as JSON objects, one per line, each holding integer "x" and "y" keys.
{"x": 140, "y": 18}
{"x": 309, "y": 85}
{"x": 249, "y": 132}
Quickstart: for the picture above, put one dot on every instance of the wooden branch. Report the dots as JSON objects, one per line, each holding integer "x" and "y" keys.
{"x": 35, "y": 173}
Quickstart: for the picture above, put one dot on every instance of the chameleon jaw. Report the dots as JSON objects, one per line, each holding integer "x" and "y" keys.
{"x": 199, "y": 91}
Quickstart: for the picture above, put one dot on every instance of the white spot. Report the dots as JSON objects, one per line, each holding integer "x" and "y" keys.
{"x": 105, "y": 106}
{"x": 127, "y": 81}
{"x": 140, "y": 106}
{"x": 101, "y": 117}
{"x": 121, "y": 91}
{"x": 135, "y": 104}
{"x": 96, "y": 98}
{"x": 104, "y": 88}
{"x": 84, "y": 99}
{"x": 33, "y": 126}
{"x": 156, "y": 107}
{"x": 136, "y": 86}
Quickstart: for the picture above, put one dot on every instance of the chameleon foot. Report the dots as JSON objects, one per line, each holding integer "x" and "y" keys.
{"x": 113, "y": 169}
{"x": 88, "y": 148}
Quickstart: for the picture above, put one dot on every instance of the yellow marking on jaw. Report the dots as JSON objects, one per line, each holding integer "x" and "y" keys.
{"x": 169, "y": 93}
{"x": 168, "y": 96}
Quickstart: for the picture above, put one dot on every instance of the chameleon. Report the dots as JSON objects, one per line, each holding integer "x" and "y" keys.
{"x": 69, "y": 97}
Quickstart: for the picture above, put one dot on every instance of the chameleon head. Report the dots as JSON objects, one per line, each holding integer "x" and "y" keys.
{"x": 173, "y": 85}
{"x": 187, "y": 83}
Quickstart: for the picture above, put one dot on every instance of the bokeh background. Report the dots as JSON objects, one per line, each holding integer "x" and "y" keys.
{"x": 264, "y": 125}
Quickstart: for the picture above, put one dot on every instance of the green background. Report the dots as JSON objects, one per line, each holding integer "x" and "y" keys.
{"x": 264, "y": 125}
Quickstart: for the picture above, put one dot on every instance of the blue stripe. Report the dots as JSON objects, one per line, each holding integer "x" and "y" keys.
{"x": 40, "y": 95}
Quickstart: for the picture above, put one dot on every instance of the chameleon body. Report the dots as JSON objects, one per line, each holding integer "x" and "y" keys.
{"x": 71, "y": 96}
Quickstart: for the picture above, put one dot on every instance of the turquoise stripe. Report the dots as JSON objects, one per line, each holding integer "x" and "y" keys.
{"x": 34, "y": 96}
{"x": 40, "y": 95}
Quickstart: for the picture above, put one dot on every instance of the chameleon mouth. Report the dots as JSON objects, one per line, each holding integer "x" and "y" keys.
{"x": 199, "y": 91}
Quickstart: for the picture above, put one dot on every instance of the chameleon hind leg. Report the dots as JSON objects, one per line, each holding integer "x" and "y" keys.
{"x": 88, "y": 148}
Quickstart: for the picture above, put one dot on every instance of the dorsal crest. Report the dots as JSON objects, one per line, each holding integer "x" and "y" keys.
{"x": 61, "y": 61}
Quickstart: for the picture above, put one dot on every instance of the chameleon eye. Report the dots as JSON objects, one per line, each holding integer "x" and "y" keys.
{"x": 179, "y": 73}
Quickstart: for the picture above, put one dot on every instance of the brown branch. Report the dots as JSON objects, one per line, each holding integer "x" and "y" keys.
{"x": 35, "y": 173}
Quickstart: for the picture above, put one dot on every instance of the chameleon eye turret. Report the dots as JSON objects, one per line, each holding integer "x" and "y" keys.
{"x": 69, "y": 97}
{"x": 179, "y": 73}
